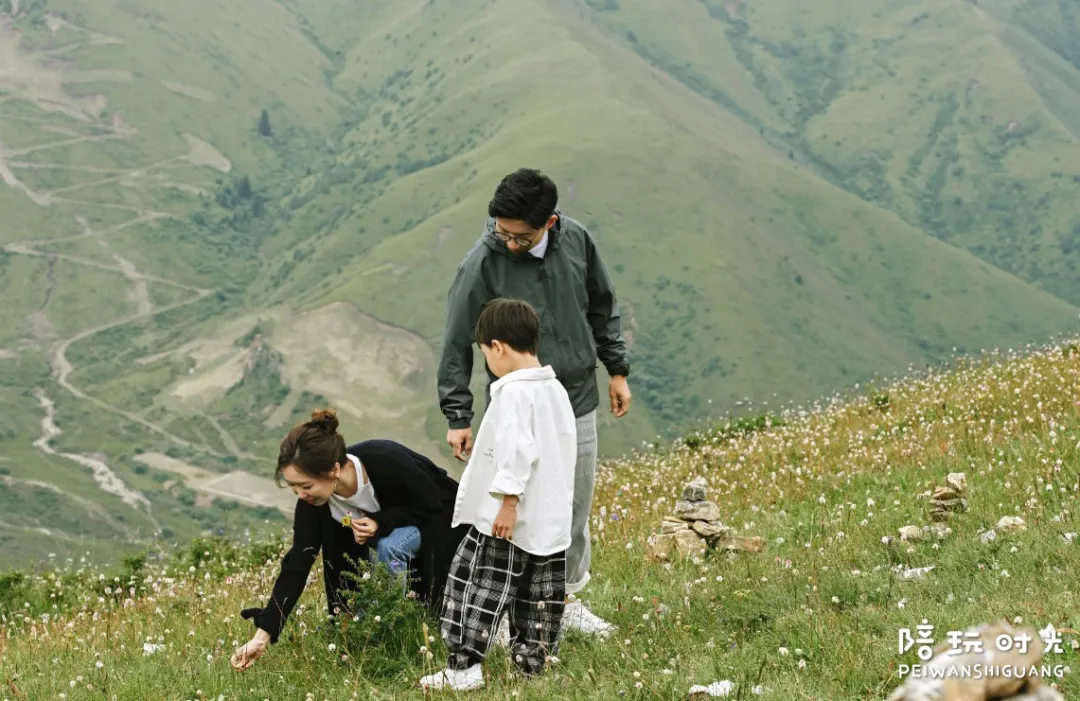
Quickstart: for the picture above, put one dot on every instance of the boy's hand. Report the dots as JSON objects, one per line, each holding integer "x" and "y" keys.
{"x": 503, "y": 527}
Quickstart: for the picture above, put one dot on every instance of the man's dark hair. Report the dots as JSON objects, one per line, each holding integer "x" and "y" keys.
{"x": 511, "y": 321}
{"x": 527, "y": 195}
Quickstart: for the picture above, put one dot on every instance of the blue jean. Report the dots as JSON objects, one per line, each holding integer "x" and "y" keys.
{"x": 397, "y": 548}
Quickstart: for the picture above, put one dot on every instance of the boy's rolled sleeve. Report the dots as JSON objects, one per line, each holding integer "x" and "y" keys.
{"x": 516, "y": 452}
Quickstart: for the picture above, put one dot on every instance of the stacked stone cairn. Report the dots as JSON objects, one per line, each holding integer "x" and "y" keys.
{"x": 949, "y": 499}
{"x": 695, "y": 528}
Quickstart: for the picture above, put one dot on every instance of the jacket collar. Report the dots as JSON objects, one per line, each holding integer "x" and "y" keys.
{"x": 524, "y": 375}
{"x": 492, "y": 241}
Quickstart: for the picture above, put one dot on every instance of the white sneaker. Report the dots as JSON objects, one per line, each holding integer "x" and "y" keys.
{"x": 502, "y": 635}
{"x": 577, "y": 617}
{"x": 456, "y": 680}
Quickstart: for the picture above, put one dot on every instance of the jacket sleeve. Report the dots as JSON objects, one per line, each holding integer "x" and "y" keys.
{"x": 516, "y": 452}
{"x": 295, "y": 567}
{"x": 467, "y": 296}
{"x": 603, "y": 315}
{"x": 419, "y": 498}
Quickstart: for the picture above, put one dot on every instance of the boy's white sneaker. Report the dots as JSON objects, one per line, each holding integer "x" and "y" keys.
{"x": 454, "y": 679}
{"x": 577, "y": 617}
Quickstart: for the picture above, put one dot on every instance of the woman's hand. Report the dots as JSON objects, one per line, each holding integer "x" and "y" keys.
{"x": 364, "y": 529}
{"x": 250, "y": 651}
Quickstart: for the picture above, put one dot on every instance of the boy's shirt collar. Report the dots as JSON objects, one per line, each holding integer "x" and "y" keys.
{"x": 542, "y": 373}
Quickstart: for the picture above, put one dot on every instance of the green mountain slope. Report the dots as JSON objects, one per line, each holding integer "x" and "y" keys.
{"x": 183, "y": 278}
{"x": 962, "y": 118}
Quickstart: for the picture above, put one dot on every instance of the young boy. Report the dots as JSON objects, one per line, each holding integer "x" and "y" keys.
{"x": 517, "y": 493}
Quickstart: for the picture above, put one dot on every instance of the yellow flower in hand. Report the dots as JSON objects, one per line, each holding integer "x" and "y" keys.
{"x": 346, "y": 520}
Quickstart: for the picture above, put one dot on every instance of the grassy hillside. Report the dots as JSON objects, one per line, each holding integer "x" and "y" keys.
{"x": 816, "y": 615}
{"x": 961, "y": 118}
{"x": 183, "y": 279}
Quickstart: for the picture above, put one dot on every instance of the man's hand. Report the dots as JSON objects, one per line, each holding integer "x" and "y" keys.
{"x": 461, "y": 440}
{"x": 364, "y": 529}
{"x": 250, "y": 651}
{"x": 503, "y": 526}
{"x": 619, "y": 392}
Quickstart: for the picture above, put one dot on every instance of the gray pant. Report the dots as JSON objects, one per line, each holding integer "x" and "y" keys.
{"x": 579, "y": 554}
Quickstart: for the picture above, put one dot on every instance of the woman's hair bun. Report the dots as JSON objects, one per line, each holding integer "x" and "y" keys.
{"x": 325, "y": 420}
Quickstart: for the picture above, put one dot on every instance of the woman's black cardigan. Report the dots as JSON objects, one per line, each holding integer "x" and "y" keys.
{"x": 411, "y": 491}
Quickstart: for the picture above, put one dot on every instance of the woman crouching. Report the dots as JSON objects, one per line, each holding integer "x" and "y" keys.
{"x": 376, "y": 500}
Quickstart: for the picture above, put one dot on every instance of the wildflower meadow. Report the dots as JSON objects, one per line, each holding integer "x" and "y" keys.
{"x": 815, "y": 615}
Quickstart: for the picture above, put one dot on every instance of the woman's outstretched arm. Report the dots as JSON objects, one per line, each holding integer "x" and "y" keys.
{"x": 295, "y": 567}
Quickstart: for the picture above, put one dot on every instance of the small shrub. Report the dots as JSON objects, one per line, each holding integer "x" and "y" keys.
{"x": 731, "y": 429}
{"x": 383, "y": 631}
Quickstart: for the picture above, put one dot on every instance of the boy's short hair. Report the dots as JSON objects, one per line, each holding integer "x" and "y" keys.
{"x": 511, "y": 321}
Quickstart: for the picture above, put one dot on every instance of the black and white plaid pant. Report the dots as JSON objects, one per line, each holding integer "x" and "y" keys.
{"x": 487, "y": 576}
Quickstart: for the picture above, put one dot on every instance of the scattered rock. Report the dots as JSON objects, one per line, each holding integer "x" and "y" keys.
{"x": 913, "y": 573}
{"x": 684, "y": 543}
{"x": 946, "y": 501}
{"x": 1043, "y": 693}
{"x": 988, "y": 536}
{"x": 689, "y": 544}
{"x": 660, "y": 546}
{"x": 754, "y": 544}
{"x": 958, "y": 481}
{"x": 714, "y": 690}
{"x": 697, "y": 511}
{"x": 711, "y": 529}
{"x": 672, "y": 525}
{"x": 911, "y": 533}
{"x": 1068, "y": 537}
{"x": 944, "y": 677}
{"x": 1011, "y": 524}
{"x": 938, "y": 531}
{"x": 695, "y": 490}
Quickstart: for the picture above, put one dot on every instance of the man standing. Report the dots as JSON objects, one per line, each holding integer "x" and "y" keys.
{"x": 530, "y": 250}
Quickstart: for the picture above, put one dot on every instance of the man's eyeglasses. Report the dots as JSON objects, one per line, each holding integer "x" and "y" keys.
{"x": 519, "y": 239}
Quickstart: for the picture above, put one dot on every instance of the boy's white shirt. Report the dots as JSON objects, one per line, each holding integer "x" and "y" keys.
{"x": 526, "y": 446}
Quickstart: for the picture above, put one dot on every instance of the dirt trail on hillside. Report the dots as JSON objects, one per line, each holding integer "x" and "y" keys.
{"x": 230, "y": 443}
{"x": 40, "y": 328}
{"x": 118, "y": 176}
{"x": 238, "y": 486}
{"x": 103, "y": 475}
{"x": 140, "y": 291}
{"x": 26, "y": 249}
{"x": 40, "y": 79}
{"x": 8, "y": 176}
{"x": 62, "y": 369}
